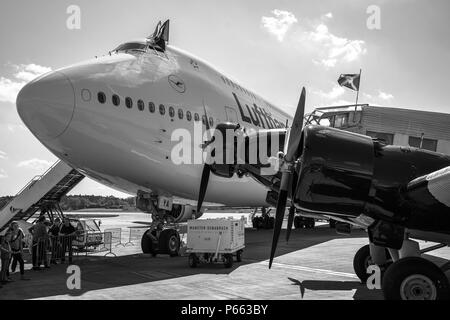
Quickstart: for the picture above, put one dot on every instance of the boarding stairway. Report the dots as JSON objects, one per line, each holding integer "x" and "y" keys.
{"x": 41, "y": 192}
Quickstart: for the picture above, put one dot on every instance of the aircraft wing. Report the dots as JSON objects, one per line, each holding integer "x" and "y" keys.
{"x": 430, "y": 193}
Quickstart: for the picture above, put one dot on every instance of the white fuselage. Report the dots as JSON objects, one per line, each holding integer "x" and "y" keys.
{"x": 130, "y": 149}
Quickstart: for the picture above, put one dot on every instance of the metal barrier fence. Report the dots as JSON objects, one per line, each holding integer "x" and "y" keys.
{"x": 65, "y": 248}
{"x": 116, "y": 234}
{"x": 59, "y": 248}
{"x": 135, "y": 234}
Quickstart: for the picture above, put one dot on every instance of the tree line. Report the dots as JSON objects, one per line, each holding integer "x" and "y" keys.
{"x": 80, "y": 202}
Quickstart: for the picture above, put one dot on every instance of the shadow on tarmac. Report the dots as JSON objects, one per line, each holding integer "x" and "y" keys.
{"x": 101, "y": 273}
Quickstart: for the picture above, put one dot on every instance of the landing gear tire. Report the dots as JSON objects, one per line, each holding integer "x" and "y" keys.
{"x": 147, "y": 245}
{"x": 228, "y": 260}
{"x": 263, "y": 222}
{"x": 361, "y": 261}
{"x": 415, "y": 278}
{"x": 271, "y": 223}
{"x": 239, "y": 255}
{"x": 193, "y": 260}
{"x": 297, "y": 222}
{"x": 169, "y": 242}
{"x": 310, "y": 223}
{"x": 332, "y": 223}
{"x": 255, "y": 223}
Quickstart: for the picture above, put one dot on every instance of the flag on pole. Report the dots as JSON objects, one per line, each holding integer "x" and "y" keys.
{"x": 350, "y": 81}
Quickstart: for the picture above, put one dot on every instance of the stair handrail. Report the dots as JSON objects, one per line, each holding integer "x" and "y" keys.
{"x": 31, "y": 182}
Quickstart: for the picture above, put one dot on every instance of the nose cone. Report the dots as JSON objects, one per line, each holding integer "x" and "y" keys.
{"x": 46, "y": 105}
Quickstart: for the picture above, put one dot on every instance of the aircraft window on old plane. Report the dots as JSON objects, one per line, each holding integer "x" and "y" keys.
{"x": 162, "y": 109}
{"x": 196, "y": 117}
{"x": 211, "y": 121}
{"x": 129, "y": 102}
{"x": 204, "y": 119}
{"x": 116, "y": 100}
{"x": 141, "y": 105}
{"x": 101, "y": 97}
{"x": 171, "y": 112}
{"x": 180, "y": 113}
{"x": 131, "y": 46}
{"x": 188, "y": 116}
{"x": 151, "y": 107}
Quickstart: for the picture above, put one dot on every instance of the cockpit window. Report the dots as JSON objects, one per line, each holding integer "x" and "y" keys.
{"x": 131, "y": 46}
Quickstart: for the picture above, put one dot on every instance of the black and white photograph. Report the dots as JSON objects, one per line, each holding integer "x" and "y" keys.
{"x": 224, "y": 155}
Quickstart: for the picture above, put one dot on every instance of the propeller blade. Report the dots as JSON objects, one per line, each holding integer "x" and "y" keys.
{"x": 281, "y": 206}
{"x": 207, "y": 168}
{"x": 203, "y": 186}
{"x": 285, "y": 183}
{"x": 296, "y": 129}
{"x": 290, "y": 222}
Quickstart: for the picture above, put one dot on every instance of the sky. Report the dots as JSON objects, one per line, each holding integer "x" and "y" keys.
{"x": 271, "y": 47}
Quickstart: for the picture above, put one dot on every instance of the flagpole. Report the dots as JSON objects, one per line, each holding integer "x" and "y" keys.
{"x": 357, "y": 92}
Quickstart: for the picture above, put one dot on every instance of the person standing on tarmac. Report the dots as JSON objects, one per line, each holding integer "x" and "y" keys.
{"x": 40, "y": 240}
{"x": 67, "y": 233}
{"x": 5, "y": 255}
{"x": 16, "y": 243}
{"x": 54, "y": 238}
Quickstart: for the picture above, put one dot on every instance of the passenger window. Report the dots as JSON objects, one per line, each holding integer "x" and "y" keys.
{"x": 116, "y": 100}
{"x": 211, "y": 122}
{"x": 204, "y": 120}
{"x": 151, "y": 107}
{"x": 180, "y": 113}
{"x": 141, "y": 105}
{"x": 196, "y": 117}
{"x": 188, "y": 116}
{"x": 171, "y": 112}
{"x": 129, "y": 102}
{"x": 101, "y": 97}
{"x": 162, "y": 109}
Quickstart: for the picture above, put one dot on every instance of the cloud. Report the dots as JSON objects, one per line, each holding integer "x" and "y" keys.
{"x": 30, "y": 72}
{"x": 325, "y": 62}
{"x": 12, "y": 127}
{"x": 333, "y": 49}
{"x": 334, "y": 93}
{"x": 384, "y": 95}
{"x": 3, "y": 174}
{"x": 36, "y": 164}
{"x": 280, "y": 24}
{"x": 3, "y": 155}
{"x": 9, "y": 88}
{"x": 314, "y": 36}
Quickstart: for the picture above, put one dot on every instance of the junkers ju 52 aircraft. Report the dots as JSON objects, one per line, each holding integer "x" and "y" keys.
{"x": 396, "y": 193}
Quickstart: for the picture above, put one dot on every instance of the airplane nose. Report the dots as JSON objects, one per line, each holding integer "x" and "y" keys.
{"x": 46, "y": 105}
